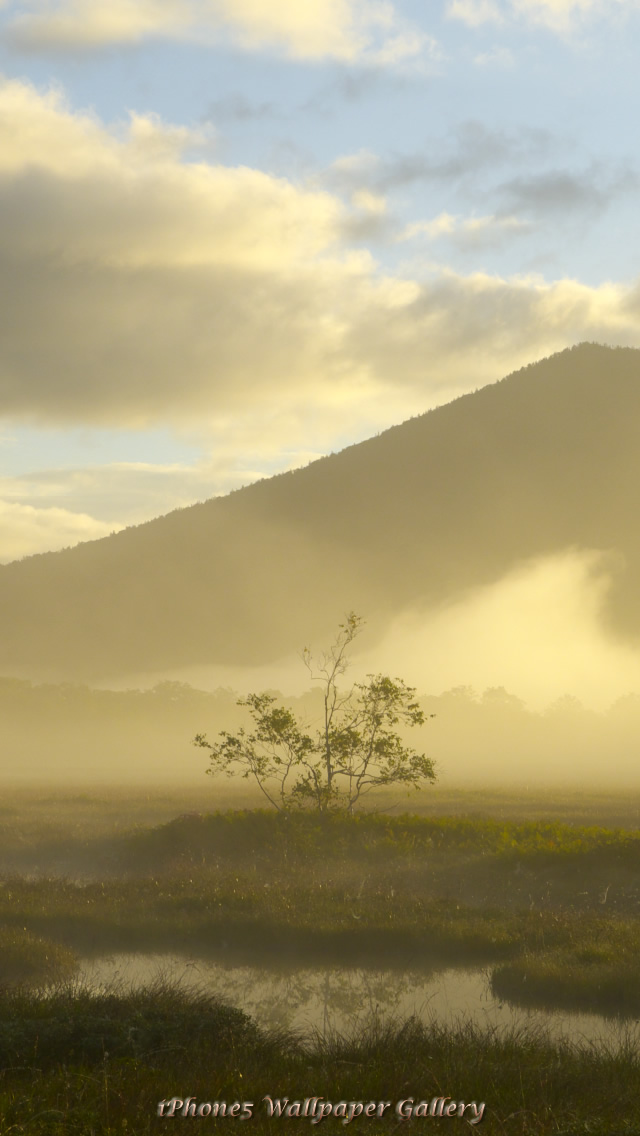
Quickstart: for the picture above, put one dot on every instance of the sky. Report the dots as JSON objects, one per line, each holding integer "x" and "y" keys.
{"x": 239, "y": 234}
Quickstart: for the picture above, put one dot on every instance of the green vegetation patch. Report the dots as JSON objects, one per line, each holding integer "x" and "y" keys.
{"x": 76, "y": 1025}
{"x": 598, "y": 972}
{"x": 196, "y": 838}
{"x": 27, "y": 958}
{"x": 344, "y": 919}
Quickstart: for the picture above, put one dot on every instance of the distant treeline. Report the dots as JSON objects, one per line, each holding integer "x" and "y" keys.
{"x": 67, "y": 730}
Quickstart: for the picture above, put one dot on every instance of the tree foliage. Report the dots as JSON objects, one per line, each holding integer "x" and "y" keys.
{"x": 353, "y": 749}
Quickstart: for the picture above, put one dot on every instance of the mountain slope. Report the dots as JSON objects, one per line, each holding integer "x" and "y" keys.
{"x": 546, "y": 459}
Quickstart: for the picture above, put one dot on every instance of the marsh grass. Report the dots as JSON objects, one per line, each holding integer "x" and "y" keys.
{"x": 578, "y": 960}
{"x": 27, "y": 958}
{"x": 556, "y": 903}
{"x": 395, "y": 892}
{"x": 307, "y": 837}
{"x": 339, "y": 917}
{"x": 74, "y": 831}
{"x": 82, "y": 1025}
{"x": 77, "y": 830}
{"x": 96, "y": 1064}
{"x": 343, "y": 920}
{"x": 599, "y": 975}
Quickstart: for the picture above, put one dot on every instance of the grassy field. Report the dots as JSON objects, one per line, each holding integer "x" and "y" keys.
{"x": 550, "y": 902}
{"x": 63, "y": 830}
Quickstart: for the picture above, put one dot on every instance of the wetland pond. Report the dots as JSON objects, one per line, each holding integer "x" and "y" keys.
{"x": 342, "y": 999}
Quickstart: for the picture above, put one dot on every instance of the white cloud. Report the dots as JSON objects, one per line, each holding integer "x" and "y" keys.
{"x": 123, "y": 198}
{"x": 474, "y": 12}
{"x": 350, "y": 30}
{"x": 466, "y": 231}
{"x": 481, "y": 327}
{"x": 361, "y": 163}
{"x": 558, "y": 15}
{"x": 369, "y": 202}
{"x": 500, "y": 57}
{"x": 144, "y": 289}
{"x": 129, "y": 493}
{"x": 444, "y": 223}
{"x": 25, "y": 530}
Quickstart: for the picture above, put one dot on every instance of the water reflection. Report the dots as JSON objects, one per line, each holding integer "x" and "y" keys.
{"x": 343, "y": 999}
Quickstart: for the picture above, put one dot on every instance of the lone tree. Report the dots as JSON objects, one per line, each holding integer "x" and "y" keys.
{"x": 355, "y": 749}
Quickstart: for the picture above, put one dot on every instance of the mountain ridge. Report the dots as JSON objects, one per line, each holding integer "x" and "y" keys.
{"x": 545, "y": 459}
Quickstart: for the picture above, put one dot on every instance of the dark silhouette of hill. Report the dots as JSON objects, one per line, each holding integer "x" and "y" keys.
{"x": 546, "y": 459}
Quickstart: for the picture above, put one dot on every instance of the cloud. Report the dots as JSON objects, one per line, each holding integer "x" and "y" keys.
{"x": 238, "y": 108}
{"x": 355, "y": 84}
{"x": 351, "y": 86}
{"x": 151, "y": 265}
{"x": 125, "y": 492}
{"x": 369, "y": 219}
{"x": 25, "y": 530}
{"x": 470, "y": 164}
{"x": 369, "y": 202}
{"x": 143, "y": 288}
{"x": 474, "y": 12}
{"x": 467, "y": 232}
{"x": 561, "y": 15}
{"x": 80, "y": 25}
{"x": 557, "y": 15}
{"x": 562, "y": 191}
{"x": 129, "y": 493}
{"x": 351, "y": 31}
{"x": 469, "y": 149}
{"x": 500, "y": 57}
{"x": 457, "y": 326}
{"x": 124, "y": 199}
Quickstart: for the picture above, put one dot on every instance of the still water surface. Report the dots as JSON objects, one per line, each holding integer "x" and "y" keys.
{"x": 342, "y": 999}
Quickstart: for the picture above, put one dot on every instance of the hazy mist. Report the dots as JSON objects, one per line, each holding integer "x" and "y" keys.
{"x": 70, "y": 733}
{"x": 491, "y": 543}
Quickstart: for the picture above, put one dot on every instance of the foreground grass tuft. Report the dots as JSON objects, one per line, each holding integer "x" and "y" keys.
{"x": 81, "y": 1026}
{"x": 98, "y": 1064}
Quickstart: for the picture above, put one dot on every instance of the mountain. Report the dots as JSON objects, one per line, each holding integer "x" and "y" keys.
{"x": 544, "y": 460}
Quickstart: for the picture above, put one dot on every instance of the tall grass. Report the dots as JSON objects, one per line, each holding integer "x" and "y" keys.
{"x": 197, "y": 838}
{"x": 98, "y": 1064}
{"x": 26, "y": 958}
